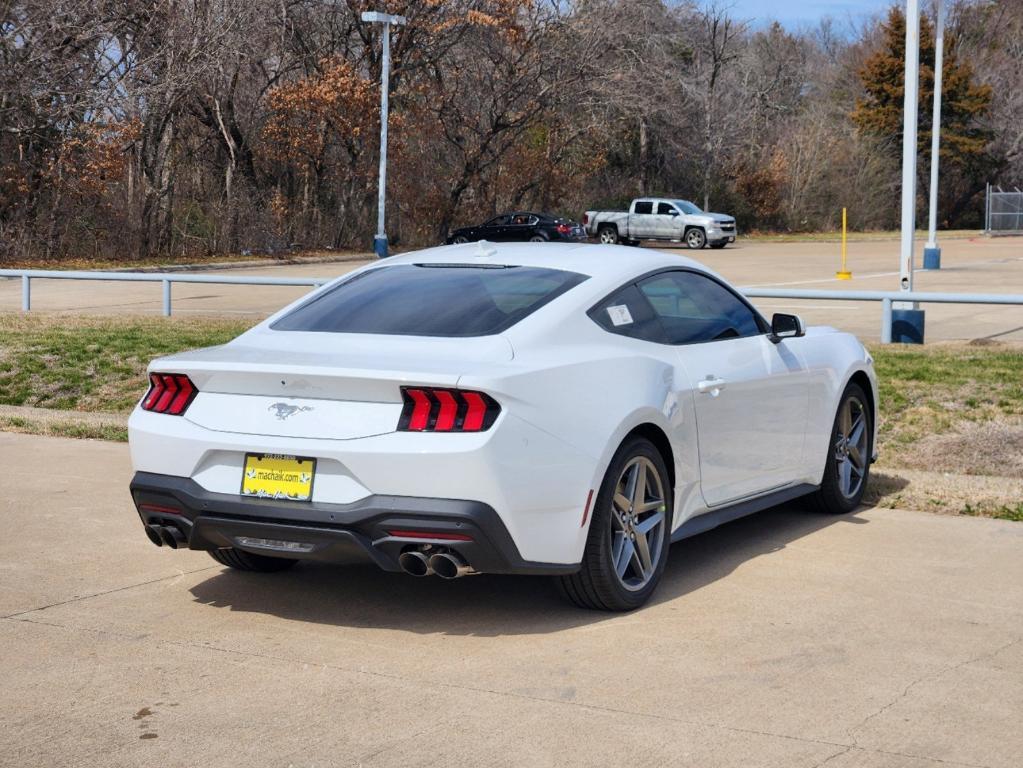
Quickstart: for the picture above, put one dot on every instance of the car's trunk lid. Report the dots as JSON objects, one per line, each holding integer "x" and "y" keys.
{"x": 322, "y": 385}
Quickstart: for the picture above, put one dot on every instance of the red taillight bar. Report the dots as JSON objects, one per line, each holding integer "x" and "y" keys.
{"x": 433, "y": 409}
{"x": 169, "y": 393}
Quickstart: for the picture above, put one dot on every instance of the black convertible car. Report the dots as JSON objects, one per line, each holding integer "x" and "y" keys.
{"x": 522, "y": 226}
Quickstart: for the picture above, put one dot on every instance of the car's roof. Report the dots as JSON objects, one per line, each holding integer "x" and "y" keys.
{"x": 605, "y": 264}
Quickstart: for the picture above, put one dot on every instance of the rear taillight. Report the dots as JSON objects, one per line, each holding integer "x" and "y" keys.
{"x": 429, "y": 409}
{"x": 564, "y": 229}
{"x": 586, "y": 219}
{"x": 170, "y": 393}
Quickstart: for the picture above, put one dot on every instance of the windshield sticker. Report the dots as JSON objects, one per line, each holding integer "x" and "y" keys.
{"x": 620, "y": 314}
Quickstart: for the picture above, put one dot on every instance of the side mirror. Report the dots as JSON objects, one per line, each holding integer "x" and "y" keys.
{"x": 673, "y": 212}
{"x": 786, "y": 327}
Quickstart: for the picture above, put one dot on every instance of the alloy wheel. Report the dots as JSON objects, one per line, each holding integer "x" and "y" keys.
{"x": 608, "y": 237}
{"x": 851, "y": 442}
{"x": 637, "y": 520}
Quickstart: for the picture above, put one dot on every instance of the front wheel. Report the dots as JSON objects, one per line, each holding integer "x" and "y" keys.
{"x": 848, "y": 464}
{"x": 247, "y": 561}
{"x": 718, "y": 246}
{"x": 627, "y": 544}
{"x": 608, "y": 235}
{"x": 696, "y": 238}
{"x": 459, "y": 240}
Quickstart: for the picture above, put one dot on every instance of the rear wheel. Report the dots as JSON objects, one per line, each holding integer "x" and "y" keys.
{"x": 538, "y": 239}
{"x": 696, "y": 238}
{"x": 848, "y": 465}
{"x": 246, "y": 561}
{"x": 608, "y": 235}
{"x": 627, "y": 544}
{"x": 459, "y": 239}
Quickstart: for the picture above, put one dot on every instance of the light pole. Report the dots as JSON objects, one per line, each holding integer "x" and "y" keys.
{"x": 907, "y": 319}
{"x": 932, "y": 253}
{"x": 388, "y": 20}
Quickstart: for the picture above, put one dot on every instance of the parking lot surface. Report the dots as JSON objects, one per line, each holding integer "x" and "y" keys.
{"x": 876, "y": 640}
{"x": 974, "y": 265}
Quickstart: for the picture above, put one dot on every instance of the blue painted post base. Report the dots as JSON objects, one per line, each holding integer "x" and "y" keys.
{"x": 907, "y": 326}
{"x": 380, "y": 246}
{"x": 932, "y": 258}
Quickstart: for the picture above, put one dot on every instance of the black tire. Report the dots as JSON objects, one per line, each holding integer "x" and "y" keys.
{"x": 538, "y": 238}
{"x": 608, "y": 235}
{"x": 831, "y": 498}
{"x": 596, "y": 585}
{"x": 246, "y": 561}
{"x": 718, "y": 246}
{"x": 459, "y": 240}
{"x": 695, "y": 238}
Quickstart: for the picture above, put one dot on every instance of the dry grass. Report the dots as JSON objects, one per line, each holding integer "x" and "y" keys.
{"x": 79, "y": 363}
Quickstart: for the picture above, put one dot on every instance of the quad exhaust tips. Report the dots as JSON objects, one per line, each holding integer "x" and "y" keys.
{"x": 166, "y": 535}
{"x": 448, "y": 565}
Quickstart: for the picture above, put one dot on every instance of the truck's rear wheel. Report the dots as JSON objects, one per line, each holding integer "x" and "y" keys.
{"x": 608, "y": 235}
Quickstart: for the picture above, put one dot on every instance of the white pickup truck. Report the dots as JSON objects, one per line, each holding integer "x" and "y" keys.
{"x": 656, "y": 218}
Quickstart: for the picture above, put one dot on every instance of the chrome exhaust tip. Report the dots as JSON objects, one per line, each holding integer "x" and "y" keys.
{"x": 449, "y": 566}
{"x": 415, "y": 563}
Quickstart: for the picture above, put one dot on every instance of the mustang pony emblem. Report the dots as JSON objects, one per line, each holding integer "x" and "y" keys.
{"x": 283, "y": 410}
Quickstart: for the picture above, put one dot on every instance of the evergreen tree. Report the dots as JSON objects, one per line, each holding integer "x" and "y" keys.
{"x": 965, "y": 139}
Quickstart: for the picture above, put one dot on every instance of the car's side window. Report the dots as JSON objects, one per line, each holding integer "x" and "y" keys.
{"x": 497, "y": 221}
{"x": 644, "y": 207}
{"x": 627, "y": 313}
{"x": 665, "y": 209}
{"x": 694, "y": 308}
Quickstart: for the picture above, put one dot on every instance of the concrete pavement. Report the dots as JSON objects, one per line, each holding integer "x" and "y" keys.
{"x": 876, "y": 640}
{"x": 980, "y": 264}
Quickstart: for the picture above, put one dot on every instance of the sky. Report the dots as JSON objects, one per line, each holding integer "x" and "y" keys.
{"x": 795, "y": 13}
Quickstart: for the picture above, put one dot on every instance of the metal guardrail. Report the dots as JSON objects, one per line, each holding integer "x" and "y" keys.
{"x": 165, "y": 278}
{"x": 887, "y": 298}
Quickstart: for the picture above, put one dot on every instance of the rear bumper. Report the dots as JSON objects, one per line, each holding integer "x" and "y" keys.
{"x": 331, "y": 532}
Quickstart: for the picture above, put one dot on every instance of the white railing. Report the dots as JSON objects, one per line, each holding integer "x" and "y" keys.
{"x": 164, "y": 278}
{"x": 887, "y": 298}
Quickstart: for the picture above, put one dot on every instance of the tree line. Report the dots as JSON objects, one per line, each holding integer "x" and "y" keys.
{"x": 158, "y": 128}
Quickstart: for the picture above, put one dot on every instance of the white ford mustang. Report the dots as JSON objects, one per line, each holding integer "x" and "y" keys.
{"x": 531, "y": 408}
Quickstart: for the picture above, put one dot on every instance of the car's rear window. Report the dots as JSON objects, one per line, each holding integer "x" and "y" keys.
{"x": 431, "y": 300}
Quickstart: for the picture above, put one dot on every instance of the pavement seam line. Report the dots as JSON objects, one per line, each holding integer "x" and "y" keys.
{"x": 188, "y": 644}
{"x": 922, "y": 679}
{"x": 80, "y": 598}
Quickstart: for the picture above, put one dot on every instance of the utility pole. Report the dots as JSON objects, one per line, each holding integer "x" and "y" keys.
{"x": 388, "y": 20}
{"x": 907, "y": 319}
{"x": 932, "y": 253}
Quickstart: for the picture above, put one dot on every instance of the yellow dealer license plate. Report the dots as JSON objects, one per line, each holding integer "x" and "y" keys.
{"x": 272, "y": 476}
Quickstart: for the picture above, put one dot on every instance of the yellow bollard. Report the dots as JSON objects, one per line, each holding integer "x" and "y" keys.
{"x": 843, "y": 274}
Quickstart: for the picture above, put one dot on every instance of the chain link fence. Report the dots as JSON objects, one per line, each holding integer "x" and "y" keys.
{"x": 1004, "y": 211}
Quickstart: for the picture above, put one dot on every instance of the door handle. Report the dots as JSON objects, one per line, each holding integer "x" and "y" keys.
{"x": 711, "y": 386}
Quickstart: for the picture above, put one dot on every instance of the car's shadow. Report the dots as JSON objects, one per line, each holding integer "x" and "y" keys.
{"x": 363, "y": 596}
